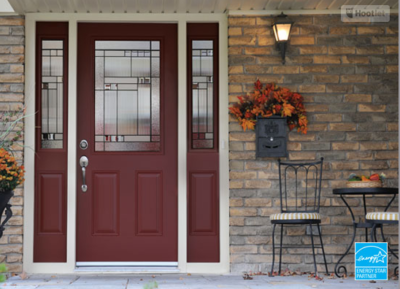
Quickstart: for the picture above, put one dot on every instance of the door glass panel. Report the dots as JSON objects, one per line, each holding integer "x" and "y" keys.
{"x": 202, "y": 95}
{"x": 127, "y": 98}
{"x": 52, "y": 94}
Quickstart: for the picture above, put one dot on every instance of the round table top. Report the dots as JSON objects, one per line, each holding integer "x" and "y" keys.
{"x": 366, "y": 191}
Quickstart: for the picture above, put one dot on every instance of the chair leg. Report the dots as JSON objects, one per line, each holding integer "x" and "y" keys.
{"x": 372, "y": 234}
{"x": 313, "y": 251}
{"x": 384, "y": 240}
{"x": 322, "y": 247}
{"x": 273, "y": 251}
{"x": 280, "y": 251}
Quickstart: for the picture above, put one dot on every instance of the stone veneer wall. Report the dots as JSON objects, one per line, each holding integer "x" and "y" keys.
{"x": 12, "y": 43}
{"x": 348, "y": 75}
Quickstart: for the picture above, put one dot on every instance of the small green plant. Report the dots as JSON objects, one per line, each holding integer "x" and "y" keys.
{"x": 3, "y": 271}
{"x": 151, "y": 285}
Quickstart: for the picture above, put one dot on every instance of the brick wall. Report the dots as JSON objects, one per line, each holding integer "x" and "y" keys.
{"x": 12, "y": 98}
{"x": 347, "y": 73}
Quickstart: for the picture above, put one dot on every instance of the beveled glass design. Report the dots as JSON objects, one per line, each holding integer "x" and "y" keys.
{"x": 127, "y": 96}
{"x": 52, "y": 94}
{"x": 202, "y": 95}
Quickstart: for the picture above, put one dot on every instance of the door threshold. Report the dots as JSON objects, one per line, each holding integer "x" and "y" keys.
{"x": 146, "y": 269}
{"x": 132, "y": 267}
{"x": 126, "y": 264}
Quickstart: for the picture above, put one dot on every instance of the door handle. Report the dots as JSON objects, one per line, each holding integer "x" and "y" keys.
{"x": 84, "y": 162}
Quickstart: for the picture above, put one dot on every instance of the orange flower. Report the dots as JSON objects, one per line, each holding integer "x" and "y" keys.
{"x": 11, "y": 174}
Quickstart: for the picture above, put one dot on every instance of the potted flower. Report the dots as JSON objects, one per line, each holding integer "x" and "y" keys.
{"x": 11, "y": 173}
{"x": 269, "y": 101}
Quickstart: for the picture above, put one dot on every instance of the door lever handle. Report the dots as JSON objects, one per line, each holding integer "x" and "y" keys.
{"x": 84, "y": 162}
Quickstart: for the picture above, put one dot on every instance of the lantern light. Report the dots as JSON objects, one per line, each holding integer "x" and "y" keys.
{"x": 282, "y": 28}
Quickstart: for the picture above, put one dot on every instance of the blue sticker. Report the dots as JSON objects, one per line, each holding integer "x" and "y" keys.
{"x": 371, "y": 261}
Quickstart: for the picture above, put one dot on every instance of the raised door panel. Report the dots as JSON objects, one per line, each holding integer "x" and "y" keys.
{"x": 149, "y": 199}
{"x": 203, "y": 199}
{"x": 105, "y": 203}
{"x": 50, "y": 203}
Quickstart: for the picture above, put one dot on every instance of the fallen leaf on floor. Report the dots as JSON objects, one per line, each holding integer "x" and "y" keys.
{"x": 53, "y": 276}
{"x": 180, "y": 278}
{"x": 298, "y": 272}
{"x": 351, "y": 275}
{"x": 153, "y": 276}
{"x": 319, "y": 278}
{"x": 141, "y": 279}
{"x": 372, "y": 281}
{"x": 189, "y": 274}
{"x": 23, "y": 275}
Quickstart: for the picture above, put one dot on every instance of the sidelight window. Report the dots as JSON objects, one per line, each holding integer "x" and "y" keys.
{"x": 52, "y": 94}
{"x": 202, "y": 94}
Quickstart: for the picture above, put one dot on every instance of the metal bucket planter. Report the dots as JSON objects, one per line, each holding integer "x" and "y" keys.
{"x": 5, "y": 206}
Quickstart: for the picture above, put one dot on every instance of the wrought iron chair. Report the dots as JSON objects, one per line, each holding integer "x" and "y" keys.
{"x": 301, "y": 183}
{"x": 378, "y": 219}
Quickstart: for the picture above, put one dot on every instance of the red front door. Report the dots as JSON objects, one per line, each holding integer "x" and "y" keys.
{"x": 127, "y": 113}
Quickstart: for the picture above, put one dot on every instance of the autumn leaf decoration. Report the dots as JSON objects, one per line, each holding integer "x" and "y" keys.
{"x": 268, "y": 101}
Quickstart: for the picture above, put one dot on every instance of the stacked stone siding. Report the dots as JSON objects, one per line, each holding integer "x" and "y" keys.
{"x": 11, "y": 99}
{"x": 348, "y": 75}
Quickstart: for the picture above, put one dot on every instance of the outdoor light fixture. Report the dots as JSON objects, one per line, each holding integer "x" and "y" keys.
{"x": 282, "y": 27}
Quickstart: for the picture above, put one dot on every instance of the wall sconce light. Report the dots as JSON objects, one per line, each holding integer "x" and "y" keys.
{"x": 282, "y": 28}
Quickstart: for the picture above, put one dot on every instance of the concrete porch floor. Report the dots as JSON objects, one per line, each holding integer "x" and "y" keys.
{"x": 181, "y": 281}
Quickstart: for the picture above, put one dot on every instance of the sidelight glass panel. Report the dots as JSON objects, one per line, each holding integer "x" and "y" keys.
{"x": 127, "y": 101}
{"x": 52, "y": 94}
{"x": 202, "y": 94}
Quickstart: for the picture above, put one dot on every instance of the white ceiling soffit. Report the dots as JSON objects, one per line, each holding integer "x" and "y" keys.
{"x": 190, "y": 6}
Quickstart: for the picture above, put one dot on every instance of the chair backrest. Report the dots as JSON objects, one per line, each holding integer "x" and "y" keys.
{"x": 300, "y": 186}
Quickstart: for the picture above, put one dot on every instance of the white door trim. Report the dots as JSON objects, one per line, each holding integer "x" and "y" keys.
{"x": 181, "y": 19}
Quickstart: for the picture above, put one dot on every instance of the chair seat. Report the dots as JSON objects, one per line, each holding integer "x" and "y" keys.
{"x": 296, "y": 216}
{"x": 382, "y": 216}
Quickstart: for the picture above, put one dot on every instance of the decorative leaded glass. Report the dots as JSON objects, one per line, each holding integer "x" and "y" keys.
{"x": 202, "y": 94}
{"x": 52, "y": 94}
{"x": 127, "y": 97}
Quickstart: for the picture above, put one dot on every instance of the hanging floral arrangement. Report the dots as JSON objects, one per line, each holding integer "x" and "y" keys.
{"x": 11, "y": 173}
{"x": 268, "y": 101}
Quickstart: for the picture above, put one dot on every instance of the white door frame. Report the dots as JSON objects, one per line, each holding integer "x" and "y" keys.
{"x": 74, "y": 18}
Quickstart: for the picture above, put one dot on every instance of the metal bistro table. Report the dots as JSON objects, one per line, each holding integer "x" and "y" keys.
{"x": 360, "y": 192}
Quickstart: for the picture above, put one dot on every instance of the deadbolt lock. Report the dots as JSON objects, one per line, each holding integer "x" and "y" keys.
{"x": 83, "y": 144}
